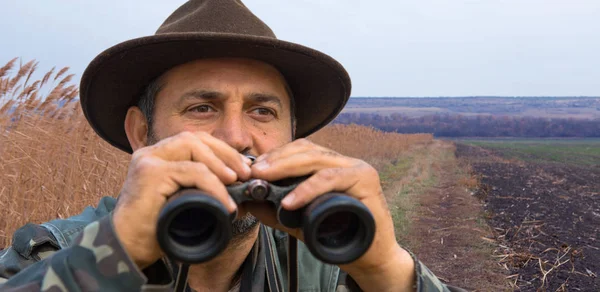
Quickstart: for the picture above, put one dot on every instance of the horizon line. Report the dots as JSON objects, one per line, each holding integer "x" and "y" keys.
{"x": 487, "y": 96}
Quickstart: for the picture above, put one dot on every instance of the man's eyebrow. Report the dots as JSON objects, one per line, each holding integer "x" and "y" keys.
{"x": 201, "y": 94}
{"x": 265, "y": 98}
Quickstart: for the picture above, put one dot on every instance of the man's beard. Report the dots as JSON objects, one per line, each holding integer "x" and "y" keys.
{"x": 243, "y": 225}
{"x": 240, "y": 226}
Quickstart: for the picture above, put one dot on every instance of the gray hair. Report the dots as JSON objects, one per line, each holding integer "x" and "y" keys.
{"x": 146, "y": 102}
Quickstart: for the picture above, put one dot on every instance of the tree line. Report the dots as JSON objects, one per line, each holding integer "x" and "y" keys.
{"x": 454, "y": 125}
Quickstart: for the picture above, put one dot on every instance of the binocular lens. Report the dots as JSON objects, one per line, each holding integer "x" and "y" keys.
{"x": 193, "y": 227}
{"x": 189, "y": 227}
{"x": 338, "y": 229}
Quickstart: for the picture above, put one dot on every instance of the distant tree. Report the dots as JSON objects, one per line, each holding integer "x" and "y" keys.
{"x": 446, "y": 125}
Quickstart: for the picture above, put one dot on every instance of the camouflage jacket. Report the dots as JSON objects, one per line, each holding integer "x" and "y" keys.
{"x": 82, "y": 253}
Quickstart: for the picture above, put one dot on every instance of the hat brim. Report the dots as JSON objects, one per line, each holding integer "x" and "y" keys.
{"x": 117, "y": 77}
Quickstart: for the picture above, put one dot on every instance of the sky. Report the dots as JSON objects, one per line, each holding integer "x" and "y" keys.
{"x": 389, "y": 48}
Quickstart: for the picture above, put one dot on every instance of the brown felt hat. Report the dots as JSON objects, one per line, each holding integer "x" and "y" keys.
{"x": 199, "y": 29}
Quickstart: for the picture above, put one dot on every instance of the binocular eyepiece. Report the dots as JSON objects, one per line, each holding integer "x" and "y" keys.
{"x": 193, "y": 227}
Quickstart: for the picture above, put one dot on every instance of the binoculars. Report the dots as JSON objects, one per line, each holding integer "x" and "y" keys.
{"x": 194, "y": 227}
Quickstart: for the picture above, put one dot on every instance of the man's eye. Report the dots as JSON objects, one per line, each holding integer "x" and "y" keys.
{"x": 202, "y": 109}
{"x": 263, "y": 111}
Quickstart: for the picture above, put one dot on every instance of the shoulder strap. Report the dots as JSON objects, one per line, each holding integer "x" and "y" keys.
{"x": 292, "y": 264}
{"x": 181, "y": 283}
{"x": 272, "y": 280}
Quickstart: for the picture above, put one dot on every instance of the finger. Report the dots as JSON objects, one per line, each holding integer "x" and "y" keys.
{"x": 322, "y": 182}
{"x": 267, "y": 215}
{"x": 300, "y": 164}
{"x": 222, "y": 159}
{"x": 299, "y": 145}
{"x": 198, "y": 175}
{"x": 181, "y": 147}
{"x": 231, "y": 157}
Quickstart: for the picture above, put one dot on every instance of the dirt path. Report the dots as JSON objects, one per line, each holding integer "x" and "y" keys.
{"x": 446, "y": 229}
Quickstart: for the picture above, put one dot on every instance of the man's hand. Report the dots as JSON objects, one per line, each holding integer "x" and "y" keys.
{"x": 186, "y": 160}
{"x": 385, "y": 266}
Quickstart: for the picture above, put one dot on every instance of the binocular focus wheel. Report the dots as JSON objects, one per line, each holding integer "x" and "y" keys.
{"x": 193, "y": 227}
{"x": 338, "y": 229}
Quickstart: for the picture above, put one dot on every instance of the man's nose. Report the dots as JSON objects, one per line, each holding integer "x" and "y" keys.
{"x": 233, "y": 131}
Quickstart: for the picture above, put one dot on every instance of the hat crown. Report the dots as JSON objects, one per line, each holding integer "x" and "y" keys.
{"x": 215, "y": 16}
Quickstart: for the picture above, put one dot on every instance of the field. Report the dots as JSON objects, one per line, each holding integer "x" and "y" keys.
{"x": 542, "y": 201}
{"x": 582, "y": 152}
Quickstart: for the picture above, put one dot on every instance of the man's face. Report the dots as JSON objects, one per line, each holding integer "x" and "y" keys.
{"x": 242, "y": 102}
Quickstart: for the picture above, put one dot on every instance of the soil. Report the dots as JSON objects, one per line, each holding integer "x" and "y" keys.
{"x": 449, "y": 235}
{"x": 545, "y": 218}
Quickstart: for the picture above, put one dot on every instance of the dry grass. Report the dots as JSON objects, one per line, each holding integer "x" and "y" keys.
{"x": 376, "y": 147}
{"x": 52, "y": 164}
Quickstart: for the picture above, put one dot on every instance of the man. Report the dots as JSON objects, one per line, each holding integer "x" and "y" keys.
{"x": 212, "y": 85}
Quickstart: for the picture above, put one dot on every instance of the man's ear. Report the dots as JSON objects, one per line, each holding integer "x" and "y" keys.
{"x": 136, "y": 128}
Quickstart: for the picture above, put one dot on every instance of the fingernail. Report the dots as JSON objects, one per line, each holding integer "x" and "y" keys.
{"x": 260, "y": 158}
{"x": 288, "y": 201}
{"x": 246, "y": 159}
{"x": 247, "y": 168}
{"x": 261, "y": 165}
{"x": 230, "y": 172}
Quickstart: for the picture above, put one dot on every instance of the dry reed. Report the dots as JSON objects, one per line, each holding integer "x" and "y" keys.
{"x": 374, "y": 146}
{"x": 52, "y": 164}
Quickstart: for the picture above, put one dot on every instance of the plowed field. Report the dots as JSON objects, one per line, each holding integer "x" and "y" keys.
{"x": 545, "y": 216}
